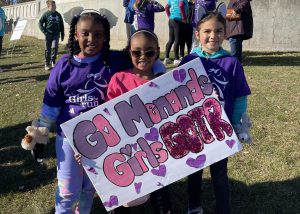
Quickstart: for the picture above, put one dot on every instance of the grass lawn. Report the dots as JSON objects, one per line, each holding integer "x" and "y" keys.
{"x": 264, "y": 177}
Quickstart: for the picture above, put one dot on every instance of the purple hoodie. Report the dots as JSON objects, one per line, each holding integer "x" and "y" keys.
{"x": 145, "y": 14}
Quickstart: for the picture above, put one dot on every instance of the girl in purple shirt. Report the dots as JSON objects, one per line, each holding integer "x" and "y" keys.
{"x": 145, "y": 10}
{"x": 78, "y": 83}
{"x": 227, "y": 76}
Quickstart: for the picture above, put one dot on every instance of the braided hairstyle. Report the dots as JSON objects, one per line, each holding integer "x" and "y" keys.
{"x": 73, "y": 44}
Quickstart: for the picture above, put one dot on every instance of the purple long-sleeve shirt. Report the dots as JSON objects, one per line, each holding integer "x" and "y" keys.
{"x": 145, "y": 14}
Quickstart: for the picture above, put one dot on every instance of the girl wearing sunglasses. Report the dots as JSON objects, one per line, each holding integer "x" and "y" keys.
{"x": 143, "y": 49}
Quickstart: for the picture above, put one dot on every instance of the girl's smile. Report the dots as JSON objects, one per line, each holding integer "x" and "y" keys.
{"x": 211, "y": 35}
{"x": 143, "y": 52}
{"x": 90, "y": 36}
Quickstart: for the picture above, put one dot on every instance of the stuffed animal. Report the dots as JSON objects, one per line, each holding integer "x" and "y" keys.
{"x": 35, "y": 140}
{"x": 242, "y": 129}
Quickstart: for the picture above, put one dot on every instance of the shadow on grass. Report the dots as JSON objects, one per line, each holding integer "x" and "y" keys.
{"x": 21, "y": 79}
{"x": 19, "y": 172}
{"x": 269, "y": 197}
{"x": 14, "y": 65}
{"x": 271, "y": 58}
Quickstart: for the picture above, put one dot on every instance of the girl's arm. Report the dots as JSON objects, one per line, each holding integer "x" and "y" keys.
{"x": 239, "y": 107}
{"x": 156, "y": 7}
{"x": 167, "y": 10}
{"x": 48, "y": 116}
{"x": 182, "y": 10}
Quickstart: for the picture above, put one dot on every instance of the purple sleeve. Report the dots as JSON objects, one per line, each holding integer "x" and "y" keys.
{"x": 167, "y": 10}
{"x": 155, "y": 6}
{"x": 54, "y": 95}
{"x": 241, "y": 85}
{"x": 182, "y": 11}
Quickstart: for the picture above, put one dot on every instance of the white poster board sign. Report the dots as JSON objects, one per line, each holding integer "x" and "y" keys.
{"x": 18, "y": 30}
{"x": 153, "y": 135}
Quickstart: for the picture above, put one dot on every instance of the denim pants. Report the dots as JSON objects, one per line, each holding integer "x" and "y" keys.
{"x": 51, "y": 48}
{"x": 75, "y": 191}
{"x": 236, "y": 47}
{"x": 218, "y": 172}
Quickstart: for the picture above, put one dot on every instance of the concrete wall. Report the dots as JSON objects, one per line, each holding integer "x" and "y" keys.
{"x": 276, "y": 23}
{"x": 23, "y": 10}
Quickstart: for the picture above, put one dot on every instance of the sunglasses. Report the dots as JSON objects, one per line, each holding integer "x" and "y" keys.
{"x": 148, "y": 53}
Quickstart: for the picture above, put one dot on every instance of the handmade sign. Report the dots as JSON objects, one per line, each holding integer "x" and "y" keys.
{"x": 153, "y": 135}
{"x": 18, "y": 30}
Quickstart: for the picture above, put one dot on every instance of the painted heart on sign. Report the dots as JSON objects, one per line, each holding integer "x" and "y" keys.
{"x": 134, "y": 146}
{"x": 126, "y": 150}
{"x": 230, "y": 143}
{"x": 161, "y": 171}
{"x": 196, "y": 163}
{"x": 137, "y": 187}
{"x": 179, "y": 75}
{"x": 153, "y": 135}
{"x": 113, "y": 200}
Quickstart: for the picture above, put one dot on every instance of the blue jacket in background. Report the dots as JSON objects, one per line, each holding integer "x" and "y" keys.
{"x": 129, "y": 12}
{"x": 2, "y": 22}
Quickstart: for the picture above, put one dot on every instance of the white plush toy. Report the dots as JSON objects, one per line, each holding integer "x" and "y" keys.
{"x": 35, "y": 140}
{"x": 35, "y": 135}
{"x": 243, "y": 129}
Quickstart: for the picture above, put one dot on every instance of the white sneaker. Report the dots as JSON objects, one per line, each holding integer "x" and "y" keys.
{"x": 176, "y": 62}
{"x": 197, "y": 210}
{"x": 167, "y": 61}
{"x": 47, "y": 67}
{"x": 52, "y": 64}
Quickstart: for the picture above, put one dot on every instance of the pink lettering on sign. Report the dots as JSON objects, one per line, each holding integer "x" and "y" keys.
{"x": 122, "y": 171}
{"x": 190, "y": 132}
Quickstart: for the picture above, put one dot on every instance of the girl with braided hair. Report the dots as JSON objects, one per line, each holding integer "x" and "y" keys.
{"x": 78, "y": 83}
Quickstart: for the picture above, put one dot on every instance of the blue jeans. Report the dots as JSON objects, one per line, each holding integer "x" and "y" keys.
{"x": 236, "y": 47}
{"x": 51, "y": 48}
{"x": 75, "y": 191}
{"x": 218, "y": 172}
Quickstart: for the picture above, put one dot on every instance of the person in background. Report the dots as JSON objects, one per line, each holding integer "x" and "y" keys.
{"x": 238, "y": 31}
{"x": 129, "y": 16}
{"x": 52, "y": 25}
{"x": 176, "y": 10}
{"x": 228, "y": 79}
{"x": 2, "y": 29}
{"x": 188, "y": 30}
{"x": 145, "y": 10}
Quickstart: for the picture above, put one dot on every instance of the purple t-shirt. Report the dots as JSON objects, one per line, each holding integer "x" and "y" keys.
{"x": 227, "y": 76}
{"x": 145, "y": 14}
{"x": 78, "y": 87}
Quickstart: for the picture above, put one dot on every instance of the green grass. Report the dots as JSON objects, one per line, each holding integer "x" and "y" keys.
{"x": 264, "y": 177}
